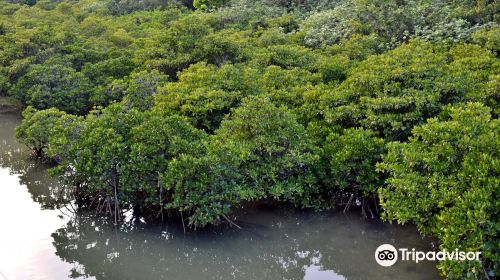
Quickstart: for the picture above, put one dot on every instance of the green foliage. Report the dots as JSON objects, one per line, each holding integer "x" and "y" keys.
{"x": 469, "y": 74}
{"x": 120, "y": 154}
{"x": 272, "y": 150}
{"x": 259, "y": 151}
{"x": 120, "y": 7}
{"x": 446, "y": 181}
{"x": 351, "y": 158}
{"x": 398, "y": 21}
{"x": 155, "y": 143}
{"x": 488, "y": 38}
{"x": 178, "y": 47}
{"x": 141, "y": 88}
{"x": 357, "y": 47}
{"x": 200, "y": 188}
{"x": 327, "y": 27}
{"x": 157, "y": 105}
{"x": 40, "y": 129}
{"x": 392, "y": 92}
{"x": 95, "y": 160}
{"x": 287, "y": 57}
{"x": 208, "y": 4}
{"x": 54, "y": 85}
{"x": 205, "y": 93}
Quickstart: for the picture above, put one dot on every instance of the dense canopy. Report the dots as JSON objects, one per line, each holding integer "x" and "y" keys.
{"x": 193, "y": 108}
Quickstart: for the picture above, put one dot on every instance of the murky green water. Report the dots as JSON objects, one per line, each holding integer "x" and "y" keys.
{"x": 39, "y": 241}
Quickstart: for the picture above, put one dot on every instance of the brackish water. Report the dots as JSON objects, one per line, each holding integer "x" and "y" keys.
{"x": 41, "y": 241}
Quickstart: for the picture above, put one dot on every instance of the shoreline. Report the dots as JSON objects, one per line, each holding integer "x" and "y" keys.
{"x": 9, "y": 105}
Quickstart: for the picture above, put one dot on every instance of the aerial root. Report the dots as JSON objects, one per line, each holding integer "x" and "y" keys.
{"x": 230, "y": 222}
{"x": 348, "y": 203}
{"x": 183, "y": 227}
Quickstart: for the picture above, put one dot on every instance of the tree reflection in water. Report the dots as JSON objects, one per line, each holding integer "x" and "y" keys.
{"x": 274, "y": 244}
{"x": 32, "y": 173}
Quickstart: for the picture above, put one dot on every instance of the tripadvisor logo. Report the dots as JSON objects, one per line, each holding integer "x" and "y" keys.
{"x": 387, "y": 255}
